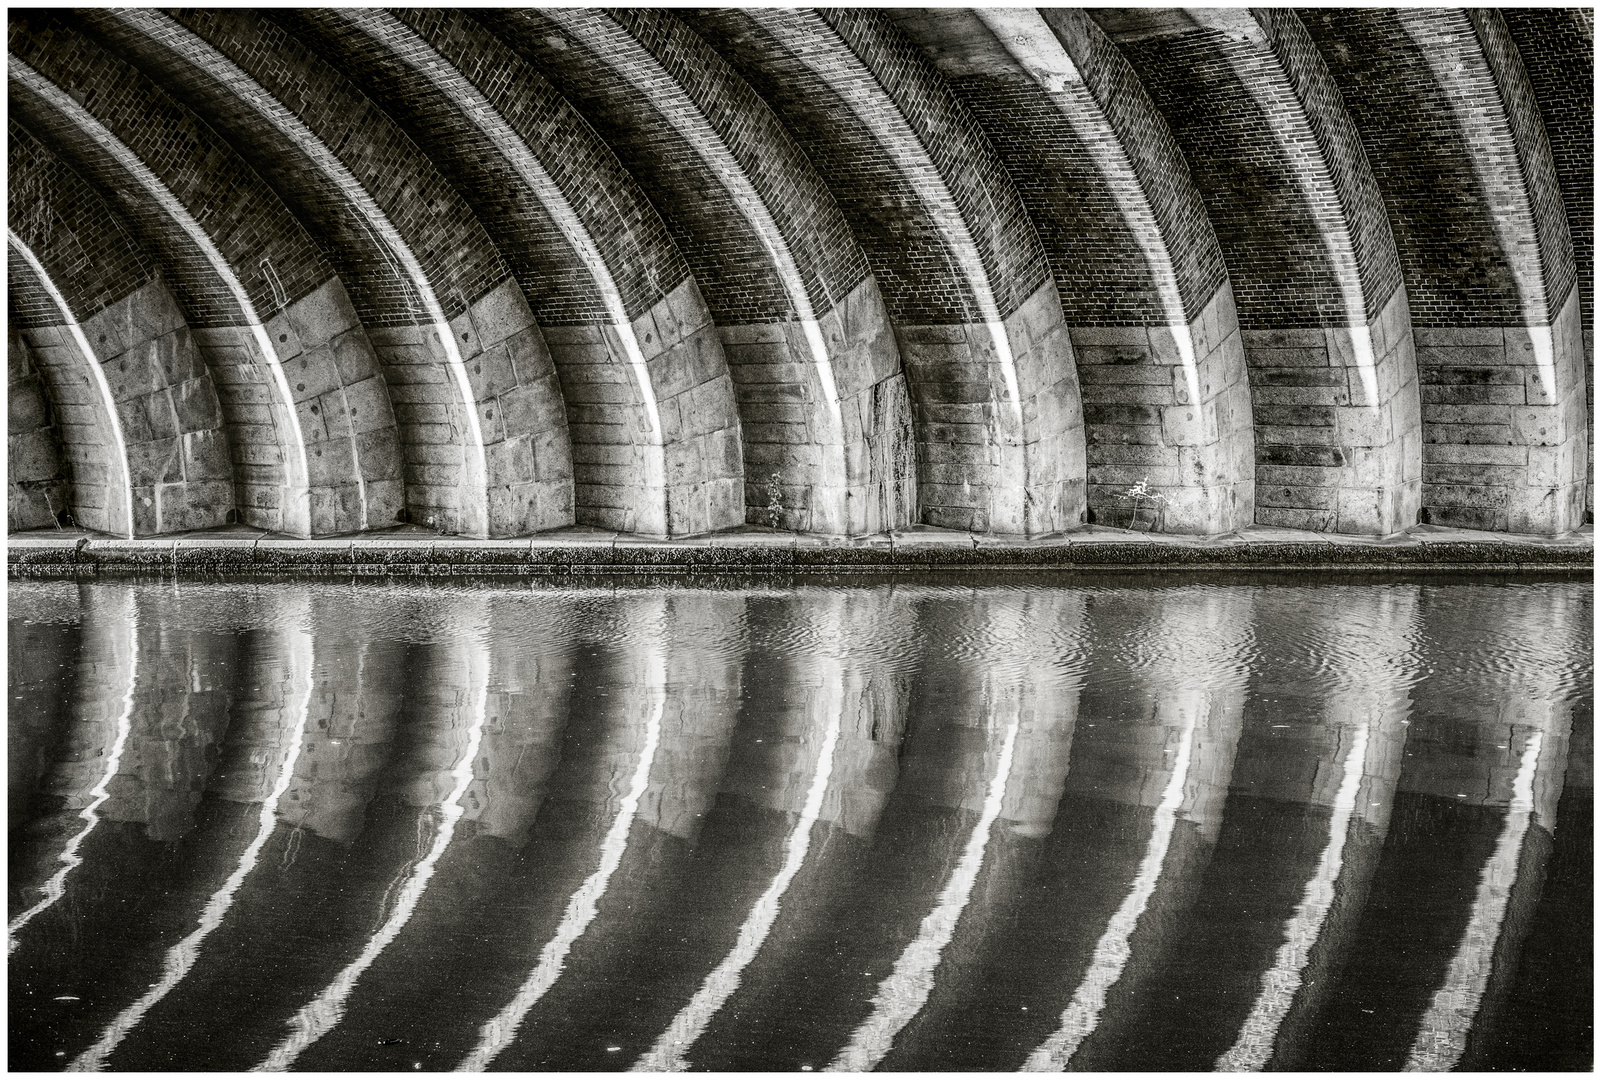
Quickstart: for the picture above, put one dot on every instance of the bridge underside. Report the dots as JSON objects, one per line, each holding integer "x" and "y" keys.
{"x": 671, "y": 272}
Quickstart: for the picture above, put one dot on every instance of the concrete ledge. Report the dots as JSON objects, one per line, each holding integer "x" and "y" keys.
{"x": 749, "y": 549}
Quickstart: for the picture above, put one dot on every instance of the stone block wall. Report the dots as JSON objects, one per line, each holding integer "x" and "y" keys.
{"x": 849, "y": 478}
{"x": 343, "y": 407}
{"x": 876, "y": 417}
{"x": 1142, "y": 427}
{"x": 89, "y": 441}
{"x": 1499, "y": 452}
{"x": 38, "y": 486}
{"x": 1330, "y": 458}
{"x": 625, "y": 477}
{"x": 520, "y": 420}
{"x": 704, "y": 482}
{"x": 178, "y": 457}
{"x": 978, "y": 468}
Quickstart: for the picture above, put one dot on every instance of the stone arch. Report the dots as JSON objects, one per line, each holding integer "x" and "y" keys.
{"x": 1449, "y": 123}
{"x": 1319, "y": 295}
{"x": 295, "y": 373}
{"x": 1140, "y": 278}
{"x": 38, "y": 476}
{"x": 988, "y": 361}
{"x": 650, "y": 405}
{"x": 1556, "y": 46}
{"x": 823, "y": 404}
{"x": 139, "y": 415}
{"x": 426, "y": 280}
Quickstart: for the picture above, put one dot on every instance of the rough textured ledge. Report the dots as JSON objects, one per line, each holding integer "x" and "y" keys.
{"x": 411, "y": 551}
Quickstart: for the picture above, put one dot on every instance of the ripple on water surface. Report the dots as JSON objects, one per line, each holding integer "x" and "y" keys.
{"x": 921, "y": 825}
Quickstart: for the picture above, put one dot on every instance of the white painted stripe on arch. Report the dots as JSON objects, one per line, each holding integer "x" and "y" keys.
{"x": 623, "y": 54}
{"x": 320, "y": 1016}
{"x": 892, "y": 131}
{"x": 668, "y": 1053}
{"x": 905, "y": 990}
{"x": 97, "y": 374}
{"x": 1107, "y": 960}
{"x": 1255, "y": 1043}
{"x": 1443, "y": 1033}
{"x": 1453, "y": 55}
{"x": 1305, "y": 160}
{"x": 1034, "y": 45}
{"x": 56, "y": 887}
{"x": 97, "y": 132}
{"x": 423, "y": 59}
{"x": 182, "y": 957}
{"x": 499, "y": 1031}
{"x": 196, "y": 51}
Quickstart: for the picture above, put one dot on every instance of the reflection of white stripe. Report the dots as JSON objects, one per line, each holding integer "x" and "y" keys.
{"x": 97, "y": 374}
{"x": 182, "y": 956}
{"x": 904, "y": 991}
{"x": 668, "y": 1053}
{"x": 1256, "y": 1040}
{"x": 1107, "y": 962}
{"x": 97, "y": 132}
{"x": 1032, "y": 43}
{"x": 628, "y": 57}
{"x": 497, "y": 1034}
{"x": 1443, "y": 1033}
{"x": 57, "y": 885}
{"x": 319, "y": 1017}
{"x": 195, "y": 50}
{"x": 474, "y": 107}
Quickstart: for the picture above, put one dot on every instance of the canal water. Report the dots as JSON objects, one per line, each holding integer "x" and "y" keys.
{"x": 1110, "y": 823}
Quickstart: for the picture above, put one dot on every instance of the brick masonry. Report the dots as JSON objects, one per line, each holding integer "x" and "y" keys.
{"x": 1137, "y": 268}
{"x": 1449, "y": 123}
{"x": 38, "y": 481}
{"x": 1302, "y": 227}
{"x": 260, "y": 437}
{"x": 664, "y": 272}
{"x": 563, "y": 232}
{"x": 274, "y": 266}
{"x": 412, "y": 250}
{"x": 950, "y": 244}
{"x": 1556, "y": 46}
{"x": 767, "y": 246}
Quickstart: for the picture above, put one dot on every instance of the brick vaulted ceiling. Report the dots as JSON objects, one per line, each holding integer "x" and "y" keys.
{"x": 667, "y": 272}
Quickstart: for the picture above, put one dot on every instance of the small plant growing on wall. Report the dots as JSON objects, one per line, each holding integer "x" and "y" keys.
{"x": 1146, "y": 513}
{"x": 775, "y": 500}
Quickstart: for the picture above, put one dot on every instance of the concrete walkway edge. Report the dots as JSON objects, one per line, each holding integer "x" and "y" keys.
{"x": 754, "y": 550}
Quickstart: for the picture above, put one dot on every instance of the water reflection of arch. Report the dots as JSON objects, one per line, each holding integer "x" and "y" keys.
{"x": 302, "y": 660}
{"x": 1036, "y": 648}
{"x": 91, "y": 754}
{"x": 1322, "y": 731}
{"x": 153, "y": 680}
{"x": 1499, "y": 920}
{"x": 265, "y": 735}
{"x": 677, "y": 657}
{"x": 1020, "y": 952}
{"x": 1478, "y": 785}
{"x": 862, "y": 896}
{"x": 1364, "y": 647}
{"x": 816, "y": 740}
{"x": 43, "y": 628}
{"x": 447, "y": 700}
